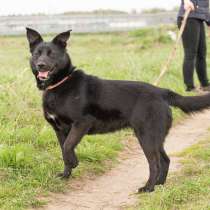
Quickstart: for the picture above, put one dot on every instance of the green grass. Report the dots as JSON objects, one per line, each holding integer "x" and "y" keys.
{"x": 187, "y": 189}
{"x": 29, "y": 153}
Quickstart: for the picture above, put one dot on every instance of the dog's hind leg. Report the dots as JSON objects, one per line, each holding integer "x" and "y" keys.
{"x": 153, "y": 157}
{"x": 150, "y": 126}
{"x": 165, "y": 162}
{"x": 164, "y": 159}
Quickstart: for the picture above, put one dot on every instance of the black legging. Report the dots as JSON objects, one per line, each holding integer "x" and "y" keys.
{"x": 194, "y": 43}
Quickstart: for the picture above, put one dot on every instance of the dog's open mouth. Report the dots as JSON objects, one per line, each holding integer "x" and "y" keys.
{"x": 43, "y": 75}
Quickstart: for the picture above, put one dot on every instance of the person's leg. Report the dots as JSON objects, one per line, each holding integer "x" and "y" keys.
{"x": 201, "y": 57}
{"x": 190, "y": 40}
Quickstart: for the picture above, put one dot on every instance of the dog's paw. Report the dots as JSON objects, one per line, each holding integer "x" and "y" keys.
{"x": 145, "y": 189}
{"x": 63, "y": 175}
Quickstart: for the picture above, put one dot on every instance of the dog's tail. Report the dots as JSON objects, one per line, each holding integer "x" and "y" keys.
{"x": 187, "y": 104}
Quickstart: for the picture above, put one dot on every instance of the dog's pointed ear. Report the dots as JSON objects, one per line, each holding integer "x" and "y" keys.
{"x": 34, "y": 38}
{"x": 61, "y": 39}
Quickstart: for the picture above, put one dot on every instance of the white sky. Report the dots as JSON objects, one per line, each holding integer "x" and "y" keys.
{"x": 58, "y": 6}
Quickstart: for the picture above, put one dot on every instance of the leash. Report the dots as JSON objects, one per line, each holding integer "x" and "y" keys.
{"x": 173, "y": 52}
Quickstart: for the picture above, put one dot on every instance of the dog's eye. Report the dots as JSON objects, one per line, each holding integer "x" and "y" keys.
{"x": 38, "y": 53}
{"x": 49, "y": 52}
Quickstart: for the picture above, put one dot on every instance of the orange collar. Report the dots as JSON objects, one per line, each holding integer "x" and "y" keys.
{"x": 57, "y": 84}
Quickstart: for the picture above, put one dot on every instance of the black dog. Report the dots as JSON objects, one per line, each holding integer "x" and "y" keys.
{"x": 76, "y": 104}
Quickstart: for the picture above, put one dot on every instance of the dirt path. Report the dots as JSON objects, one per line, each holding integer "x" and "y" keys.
{"x": 116, "y": 188}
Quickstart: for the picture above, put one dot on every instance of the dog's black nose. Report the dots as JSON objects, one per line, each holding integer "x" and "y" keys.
{"x": 41, "y": 65}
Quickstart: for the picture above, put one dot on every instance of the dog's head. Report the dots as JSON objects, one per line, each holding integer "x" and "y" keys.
{"x": 49, "y": 61}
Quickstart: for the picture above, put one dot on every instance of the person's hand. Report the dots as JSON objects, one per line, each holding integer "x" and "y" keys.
{"x": 188, "y": 5}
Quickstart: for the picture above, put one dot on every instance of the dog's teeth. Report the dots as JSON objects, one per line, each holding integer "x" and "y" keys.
{"x": 43, "y": 79}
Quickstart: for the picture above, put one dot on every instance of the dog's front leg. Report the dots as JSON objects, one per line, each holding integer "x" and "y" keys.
{"x": 62, "y": 136}
{"x": 78, "y": 130}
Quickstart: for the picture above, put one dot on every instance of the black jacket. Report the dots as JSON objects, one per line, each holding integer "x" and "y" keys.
{"x": 201, "y": 10}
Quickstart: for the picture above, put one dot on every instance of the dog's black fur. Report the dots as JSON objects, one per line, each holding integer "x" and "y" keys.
{"x": 85, "y": 104}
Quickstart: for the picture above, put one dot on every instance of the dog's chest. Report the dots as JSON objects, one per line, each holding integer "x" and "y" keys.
{"x": 50, "y": 106}
{"x": 57, "y": 110}
{"x": 49, "y": 102}
{"x": 51, "y": 117}
{"x": 54, "y": 120}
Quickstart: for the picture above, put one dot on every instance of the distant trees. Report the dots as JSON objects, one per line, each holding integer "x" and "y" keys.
{"x": 158, "y": 10}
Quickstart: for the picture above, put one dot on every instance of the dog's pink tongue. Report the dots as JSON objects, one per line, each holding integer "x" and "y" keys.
{"x": 43, "y": 74}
